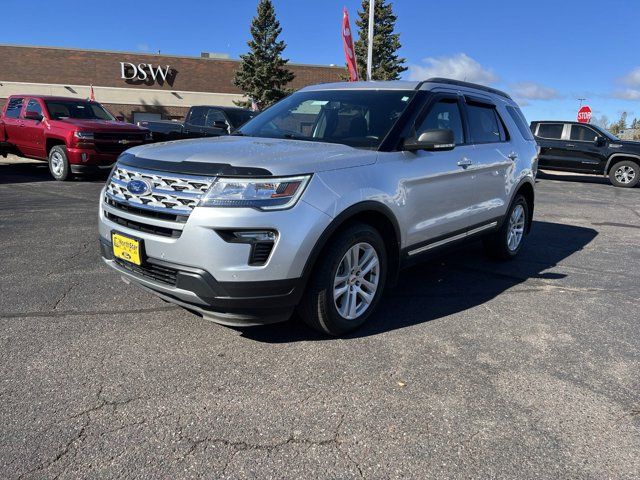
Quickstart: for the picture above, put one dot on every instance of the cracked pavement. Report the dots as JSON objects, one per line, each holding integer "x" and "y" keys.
{"x": 471, "y": 368}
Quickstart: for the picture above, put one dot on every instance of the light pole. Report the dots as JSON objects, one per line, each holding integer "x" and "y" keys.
{"x": 581, "y": 100}
{"x": 372, "y": 5}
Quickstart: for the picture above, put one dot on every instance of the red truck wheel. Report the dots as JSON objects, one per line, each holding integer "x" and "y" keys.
{"x": 59, "y": 163}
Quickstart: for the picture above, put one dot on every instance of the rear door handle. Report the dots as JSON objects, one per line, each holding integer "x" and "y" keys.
{"x": 465, "y": 162}
{"x": 570, "y": 145}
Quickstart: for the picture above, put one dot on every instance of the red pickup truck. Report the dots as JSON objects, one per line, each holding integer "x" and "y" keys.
{"x": 73, "y": 135}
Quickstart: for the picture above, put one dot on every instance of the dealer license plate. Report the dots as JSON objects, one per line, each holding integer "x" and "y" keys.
{"x": 126, "y": 248}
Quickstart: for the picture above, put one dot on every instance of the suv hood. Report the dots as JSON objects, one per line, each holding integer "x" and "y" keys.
{"x": 627, "y": 145}
{"x": 99, "y": 125}
{"x": 219, "y": 155}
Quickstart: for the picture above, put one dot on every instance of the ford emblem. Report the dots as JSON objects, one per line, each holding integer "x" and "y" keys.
{"x": 139, "y": 187}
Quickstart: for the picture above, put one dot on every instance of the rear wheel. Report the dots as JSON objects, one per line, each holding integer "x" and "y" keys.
{"x": 625, "y": 174}
{"x": 59, "y": 163}
{"x": 507, "y": 241}
{"x": 347, "y": 282}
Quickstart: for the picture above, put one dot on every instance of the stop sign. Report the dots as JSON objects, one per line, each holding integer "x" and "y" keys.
{"x": 584, "y": 114}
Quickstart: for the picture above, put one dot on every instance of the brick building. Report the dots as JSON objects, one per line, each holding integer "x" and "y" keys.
{"x": 133, "y": 85}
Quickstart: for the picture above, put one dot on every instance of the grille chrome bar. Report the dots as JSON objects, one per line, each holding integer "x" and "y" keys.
{"x": 170, "y": 193}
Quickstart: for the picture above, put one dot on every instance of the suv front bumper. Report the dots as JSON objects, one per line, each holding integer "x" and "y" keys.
{"x": 202, "y": 272}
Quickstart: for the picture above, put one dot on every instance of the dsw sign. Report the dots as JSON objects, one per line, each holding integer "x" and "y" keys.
{"x": 146, "y": 73}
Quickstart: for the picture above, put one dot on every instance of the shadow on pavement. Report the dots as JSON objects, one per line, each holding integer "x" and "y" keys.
{"x": 570, "y": 177}
{"x": 36, "y": 172}
{"x": 459, "y": 280}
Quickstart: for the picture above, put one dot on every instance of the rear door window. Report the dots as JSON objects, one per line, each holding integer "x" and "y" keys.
{"x": 14, "y": 107}
{"x": 552, "y": 131}
{"x": 484, "y": 124}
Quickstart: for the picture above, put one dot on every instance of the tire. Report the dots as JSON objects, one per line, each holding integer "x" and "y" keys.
{"x": 500, "y": 245}
{"x": 318, "y": 308}
{"x": 625, "y": 174}
{"x": 59, "y": 163}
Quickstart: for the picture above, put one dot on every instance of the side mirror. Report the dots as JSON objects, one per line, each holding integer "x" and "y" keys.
{"x": 120, "y": 118}
{"x": 31, "y": 115}
{"x": 431, "y": 140}
{"x": 600, "y": 141}
{"x": 221, "y": 125}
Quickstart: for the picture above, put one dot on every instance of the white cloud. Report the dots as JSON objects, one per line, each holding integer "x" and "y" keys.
{"x": 533, "y": 91}
{"x": 143, "y": 47}
{"x": 628, "y": 94}
{"x": 632, "y": 78}
{"x": 458, "y": 67}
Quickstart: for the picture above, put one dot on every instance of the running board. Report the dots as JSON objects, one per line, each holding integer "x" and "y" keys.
{"x": 460, "y": 236}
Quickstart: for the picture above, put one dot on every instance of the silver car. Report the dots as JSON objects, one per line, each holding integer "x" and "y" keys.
{"x": 318, "y": 202}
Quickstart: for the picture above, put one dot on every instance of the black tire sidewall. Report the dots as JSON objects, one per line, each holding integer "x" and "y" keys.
{"x": 632, "y": 164}
{"x": 66, "y": 172}
{"x": 322, "y": 292}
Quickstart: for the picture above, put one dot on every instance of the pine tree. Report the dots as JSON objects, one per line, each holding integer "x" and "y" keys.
{"x": 262, "y": 75}
{"x": 386, "y": 64}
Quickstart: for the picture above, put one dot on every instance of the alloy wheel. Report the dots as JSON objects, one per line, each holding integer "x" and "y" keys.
{"x": 516, "y": 228}
{"x": 57, "y": 164}
{"x": 625, "y": 174}
{"x": 356, "y": 280}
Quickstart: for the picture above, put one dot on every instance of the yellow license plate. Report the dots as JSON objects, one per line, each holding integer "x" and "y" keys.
{"x": 126, "y": 248}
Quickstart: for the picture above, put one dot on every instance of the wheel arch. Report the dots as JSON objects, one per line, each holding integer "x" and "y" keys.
{"x": 524, "y": 188}
{"x": 53, "y": 141}
{"x": 616, "y": 157}
{"x": 372, "y": 213}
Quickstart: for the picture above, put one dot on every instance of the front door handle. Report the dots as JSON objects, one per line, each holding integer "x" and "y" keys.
{"x": 464, "y": 162}
{"x": 513, "y": 156}
{"x": 570, "y": 145}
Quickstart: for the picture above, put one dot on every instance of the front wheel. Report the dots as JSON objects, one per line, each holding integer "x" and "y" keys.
{"x": 59, "y": 163}
{"x": 347, "y": 282}
{"x": 625, "y": 174}
{"x": 506, "y": 242}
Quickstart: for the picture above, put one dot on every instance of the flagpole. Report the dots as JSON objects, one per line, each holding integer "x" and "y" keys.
{"x": 370, "y": 35}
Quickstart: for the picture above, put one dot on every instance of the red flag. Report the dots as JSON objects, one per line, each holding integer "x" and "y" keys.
{"x": 347, "y": 43}
{"x": 92, "y": 97}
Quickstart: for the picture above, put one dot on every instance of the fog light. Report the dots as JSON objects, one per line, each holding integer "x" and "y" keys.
{"x": 261, "y": 241}
{"x": 257, "y": 236}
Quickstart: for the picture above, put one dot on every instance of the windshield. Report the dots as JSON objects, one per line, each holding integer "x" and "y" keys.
{"x": 358, "y": 118}
{"x": 59, "y": 109}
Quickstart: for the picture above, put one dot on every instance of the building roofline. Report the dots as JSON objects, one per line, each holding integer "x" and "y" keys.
{"x": 151, "y": 54}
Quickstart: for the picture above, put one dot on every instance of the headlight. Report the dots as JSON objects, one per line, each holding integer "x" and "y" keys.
{"x": 261, "y": 193}
{"x": 83, "y": 135}
{"x": 148, "y": 136}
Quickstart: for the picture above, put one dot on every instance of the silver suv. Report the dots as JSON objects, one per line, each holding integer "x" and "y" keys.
{"x": 319, "y": 201}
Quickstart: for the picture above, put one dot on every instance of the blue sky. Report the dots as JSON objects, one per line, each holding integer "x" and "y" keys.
{"x": 547, "y": 53}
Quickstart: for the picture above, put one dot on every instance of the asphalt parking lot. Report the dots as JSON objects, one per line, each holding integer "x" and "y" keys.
{"x": 528, "y": 369}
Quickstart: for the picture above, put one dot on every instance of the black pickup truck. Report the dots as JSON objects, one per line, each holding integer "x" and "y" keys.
{"x": 201, "y": 121}
{"x": 587, "y": 148}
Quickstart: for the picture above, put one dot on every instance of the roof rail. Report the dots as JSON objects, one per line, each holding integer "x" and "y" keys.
{"x": 460, "y": 83}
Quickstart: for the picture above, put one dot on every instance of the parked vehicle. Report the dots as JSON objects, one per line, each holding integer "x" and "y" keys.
{"x": 586, "y": 148}
{"x": 74, "y": 136}
{"x": 200, "y": 121}
{"x": 319, "y": 201}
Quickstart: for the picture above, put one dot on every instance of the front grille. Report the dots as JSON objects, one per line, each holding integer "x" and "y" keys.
{"x": 152, "y": 271}
{"x": 143, "y": 227}
{"x": 125, "y": 207}
{"x": 169, "y": 193}
{"x": 119, "y": 136}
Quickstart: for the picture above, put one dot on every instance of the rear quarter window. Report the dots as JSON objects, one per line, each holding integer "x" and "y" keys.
{"x": 518, "y": 118}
